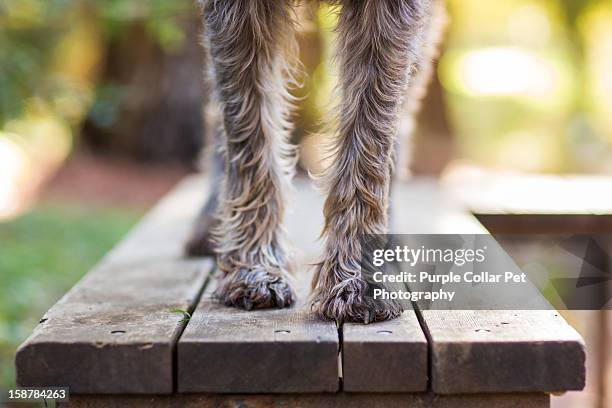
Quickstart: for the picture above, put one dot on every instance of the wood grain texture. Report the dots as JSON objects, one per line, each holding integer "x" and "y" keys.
{"x": 517, "y": 351}
{"x": 226, "y": 350}
{"x": 386, "y": 356}
{"x": 114, "y": 331}
{"x": 484, "y": 350}
{"x": 338, "y": 400}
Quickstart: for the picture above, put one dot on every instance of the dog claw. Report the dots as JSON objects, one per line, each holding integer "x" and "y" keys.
{"x": 255, "y": 288}
{"x": 346, "y": 302}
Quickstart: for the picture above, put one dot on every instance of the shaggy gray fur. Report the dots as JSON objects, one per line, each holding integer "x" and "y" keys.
{"x": 250, "y": 43}
{"x": 381, "y": 44}
{"x": 380, "y": 48}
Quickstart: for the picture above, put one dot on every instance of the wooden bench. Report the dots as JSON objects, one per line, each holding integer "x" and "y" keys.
{"x": 519, "y": 204}
{"x": 114, "y": 339}
{"x": 509, "y": 203}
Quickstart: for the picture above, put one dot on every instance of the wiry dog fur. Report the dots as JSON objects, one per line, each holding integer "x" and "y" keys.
{"x": 250, "y": 43}
{"x": 381, "y": 48}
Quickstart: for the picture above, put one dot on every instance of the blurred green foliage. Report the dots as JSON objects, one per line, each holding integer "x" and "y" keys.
{"x": 160, "y": 17}
{"x": 42, "y": 254}
{"x": 51, "y": 52}
{"x": 524, "y": 81}
{"x": 32, "y": 33}
{"x": 29, "y": 30}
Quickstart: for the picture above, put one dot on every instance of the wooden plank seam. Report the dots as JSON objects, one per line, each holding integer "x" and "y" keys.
{"x": 185, "y": 322}
{"x": 421, "y": 320}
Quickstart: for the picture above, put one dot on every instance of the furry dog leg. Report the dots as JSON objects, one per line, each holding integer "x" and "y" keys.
{"x": 380, "y": 47}
{"x": 249, "y": 42}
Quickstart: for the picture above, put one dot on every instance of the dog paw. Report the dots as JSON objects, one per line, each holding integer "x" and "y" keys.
{"x": 255, "y": 288}
{"x": 348, "y": 301}
{"x": 200, "y": 241}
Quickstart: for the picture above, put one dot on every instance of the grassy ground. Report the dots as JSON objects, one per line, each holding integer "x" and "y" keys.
{"x": 42, "y": 254}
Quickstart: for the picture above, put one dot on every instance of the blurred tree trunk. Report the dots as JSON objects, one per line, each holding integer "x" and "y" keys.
{"x": 149, "y": 103}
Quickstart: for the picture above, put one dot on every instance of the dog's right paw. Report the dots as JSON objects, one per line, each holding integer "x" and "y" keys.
{"x": 347, "y": 302}
{"x": 255, "y": 288}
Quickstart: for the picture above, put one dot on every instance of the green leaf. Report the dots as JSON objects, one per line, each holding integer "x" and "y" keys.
{"x": 186, "y": 314}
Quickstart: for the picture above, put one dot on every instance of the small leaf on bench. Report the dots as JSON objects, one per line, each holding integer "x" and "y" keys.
{"x": 186, "y": 314}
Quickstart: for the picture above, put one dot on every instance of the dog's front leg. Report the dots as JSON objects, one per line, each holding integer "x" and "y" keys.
{"x": 380, "y": 44}
{"x": 248, "y": 42}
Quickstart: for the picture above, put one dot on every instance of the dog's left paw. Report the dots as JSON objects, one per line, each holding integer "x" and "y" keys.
{"x": 255, "y": 288}
{"x": 347, "y": 302}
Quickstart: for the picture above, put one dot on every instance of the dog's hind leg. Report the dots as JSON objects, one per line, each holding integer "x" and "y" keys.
{"x": 380, "y": 47}
{"x": 417, "y": 88}
{"x": 200, "y": 241}
{"x": 249, "y": 43}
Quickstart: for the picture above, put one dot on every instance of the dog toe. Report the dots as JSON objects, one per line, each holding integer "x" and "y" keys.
{"x": 347, "y": 302}
{"x": 255, "y": 288}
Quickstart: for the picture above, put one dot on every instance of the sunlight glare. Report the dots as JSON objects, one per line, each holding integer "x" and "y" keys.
{"x": 12, "y": 167}
{"x": 507, "y": 71}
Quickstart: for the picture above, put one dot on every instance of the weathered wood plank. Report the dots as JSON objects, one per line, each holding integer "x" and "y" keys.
{"x": 546, "y": 223}
{"x": 226, "y": 350}
{"x": 115, "y": 331}
{"x": 487, "y": 351}
{"x": 494, "y": 193}
{"x": 521, "y": 351}
{"x": 339, "y": 400}
{"x": 386, "y": 356}
{"x": 517, "y": 204}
